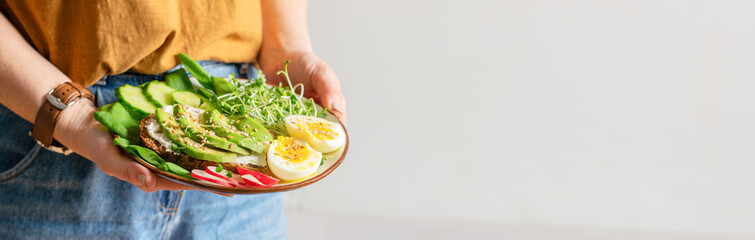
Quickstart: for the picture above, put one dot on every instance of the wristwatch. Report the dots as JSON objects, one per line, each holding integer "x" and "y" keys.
{"x": 58, "y": 99}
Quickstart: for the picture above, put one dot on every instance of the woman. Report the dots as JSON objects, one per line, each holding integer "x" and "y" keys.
{"x": 97, "y": 192}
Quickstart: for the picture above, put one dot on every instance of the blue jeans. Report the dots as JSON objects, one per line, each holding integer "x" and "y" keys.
{"x": 69, "y": 197}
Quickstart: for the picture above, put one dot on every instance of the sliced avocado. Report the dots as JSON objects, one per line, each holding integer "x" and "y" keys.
{"x": 172, "y": 130}
{"x": 191, "y": 127}
{"x": 222, "y": 128}
{"x": 252, "y": 127}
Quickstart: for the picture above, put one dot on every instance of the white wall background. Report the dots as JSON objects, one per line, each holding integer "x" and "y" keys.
{"x": 592, "y": 113}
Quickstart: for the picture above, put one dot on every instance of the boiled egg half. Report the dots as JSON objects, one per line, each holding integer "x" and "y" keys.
{"x": 292, "y": 159}
{"x": 323, "y": 135}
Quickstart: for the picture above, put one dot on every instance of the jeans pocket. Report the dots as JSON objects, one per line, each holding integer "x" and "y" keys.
{"x": 22, "y": 165}
{"x": 18, "y": 150}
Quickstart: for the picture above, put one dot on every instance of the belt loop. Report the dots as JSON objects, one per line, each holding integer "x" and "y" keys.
{"x": 102, "y": 81}
{"x": 244, "y": 70}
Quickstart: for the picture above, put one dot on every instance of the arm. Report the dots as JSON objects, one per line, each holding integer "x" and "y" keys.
{"x": 285, "y": 37}
{"x": 26, "y": 77}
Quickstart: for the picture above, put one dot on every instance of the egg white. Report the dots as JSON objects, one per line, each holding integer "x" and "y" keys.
{"x": 297, "y": 126}
{"x": 288, "y": 170}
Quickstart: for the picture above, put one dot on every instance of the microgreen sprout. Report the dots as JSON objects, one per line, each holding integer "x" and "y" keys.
{"x": 269, "y": 105}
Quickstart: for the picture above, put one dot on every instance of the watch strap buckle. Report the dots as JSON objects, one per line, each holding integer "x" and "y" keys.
{"x": 56, "y": 101}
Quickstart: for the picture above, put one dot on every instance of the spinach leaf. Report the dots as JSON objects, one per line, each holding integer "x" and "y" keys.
{"x": 196, "y": 70}
{"x": 222, "y": 86}
{"x": 178, "y": 170}
{"x": 119, "y": 141}
{"x": 115, "y": 117}
{"x": 152, "y": 158}
{"x": 146, "y": 154}
{"x": 179, "y": 80}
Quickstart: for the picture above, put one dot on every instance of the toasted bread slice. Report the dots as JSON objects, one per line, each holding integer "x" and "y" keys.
{"x": 186, "y": 161}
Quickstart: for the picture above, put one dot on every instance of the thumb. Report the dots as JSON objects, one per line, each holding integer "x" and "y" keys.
{"x": 335, "y": 103}
{"x": 328, "y": 90}
{"x": 128, "y": 170}
{"x": 99, "y": 149}
{"x": 138, "y": 175}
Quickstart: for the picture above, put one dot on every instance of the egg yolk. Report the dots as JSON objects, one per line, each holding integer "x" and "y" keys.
{"x": 288, "y": 149}
{"x": 318, "y": 130}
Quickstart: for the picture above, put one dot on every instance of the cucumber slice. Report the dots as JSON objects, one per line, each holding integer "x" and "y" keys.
{"x": 159, "y": 93}
{"x": 133, "y": 98}
{"x": 187, "y": 98}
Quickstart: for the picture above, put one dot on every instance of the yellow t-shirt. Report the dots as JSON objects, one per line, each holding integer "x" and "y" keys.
{"x": 87, "y": 39}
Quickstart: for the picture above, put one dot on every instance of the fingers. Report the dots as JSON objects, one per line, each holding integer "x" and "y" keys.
{"x": 328, "y": 90}
{"x": 336, "y": 104}
{"x": 222, "y": 194}
{"x": 143, "y": 178}
{"x": 321, "y": 82}
{"x": 165, "y": 184}
{"x": 113, "y": 163}
{"x": 146, "y": 180}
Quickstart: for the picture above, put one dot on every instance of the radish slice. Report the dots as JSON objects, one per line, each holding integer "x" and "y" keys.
{"x": 240, "y": 180}
{"x": 203, "y": 175}
{"x": 262, "y": 180}
{"x": 206, "y": 183}
{"x": 211, "y": 170}
{"x": 251, "y": 181}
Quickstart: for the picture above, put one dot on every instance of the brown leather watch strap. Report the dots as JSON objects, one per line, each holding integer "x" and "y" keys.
{"x": 57, "y": 100}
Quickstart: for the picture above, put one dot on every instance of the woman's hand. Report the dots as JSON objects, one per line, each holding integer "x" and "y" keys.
{"x": 78, "y": 130}
{"x": 320, "y": 81}
{"x": 285, "y": 37}
{"x": 27, "y": 77}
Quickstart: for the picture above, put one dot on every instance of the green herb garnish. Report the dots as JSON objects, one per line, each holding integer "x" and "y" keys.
{"x": 269, "y": 105}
